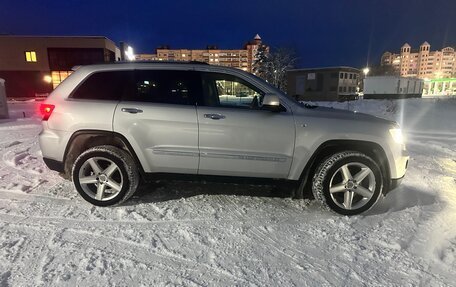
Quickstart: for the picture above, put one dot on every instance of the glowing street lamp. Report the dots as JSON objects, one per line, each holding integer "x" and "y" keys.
{"x": 129, "y": 54}
{"x": 366, "y": 71}
{"x": 47, "y": 79}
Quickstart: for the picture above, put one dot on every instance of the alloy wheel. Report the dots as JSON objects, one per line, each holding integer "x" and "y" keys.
{"x": 352, "y": 186}
{"x": 100, "y": 178}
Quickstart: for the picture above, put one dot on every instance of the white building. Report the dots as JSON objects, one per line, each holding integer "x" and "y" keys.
{"x": 392, "y": 87}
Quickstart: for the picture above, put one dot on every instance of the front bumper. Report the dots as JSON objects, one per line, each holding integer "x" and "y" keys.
{"x": 401, "y": 159}
{"x": 393, "y": 184}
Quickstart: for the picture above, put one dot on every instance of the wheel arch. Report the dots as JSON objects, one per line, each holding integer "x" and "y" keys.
{"x": 371, "y": 149}
{"x": 82, "y": 140}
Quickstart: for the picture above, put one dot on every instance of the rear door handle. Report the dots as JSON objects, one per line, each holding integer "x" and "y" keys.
{"x": 214, "y": 116}
{"x": 131, "y": 110}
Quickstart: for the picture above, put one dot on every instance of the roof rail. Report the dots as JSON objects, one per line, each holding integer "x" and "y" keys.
{"x": 160, "y": 62}
{"x": 76, "y": 67}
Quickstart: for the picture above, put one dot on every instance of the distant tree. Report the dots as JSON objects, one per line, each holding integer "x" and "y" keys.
{"x": 260, "y": 62}
{"x": 273, "y": 66}
{"x": 282, "y": 60}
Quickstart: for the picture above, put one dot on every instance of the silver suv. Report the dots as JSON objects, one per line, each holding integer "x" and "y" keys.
{"x": 109, "y": 126}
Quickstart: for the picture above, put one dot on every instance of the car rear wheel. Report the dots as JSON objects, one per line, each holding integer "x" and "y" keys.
{"x": 105, "y": 175}
{"x": 348, "y": 183}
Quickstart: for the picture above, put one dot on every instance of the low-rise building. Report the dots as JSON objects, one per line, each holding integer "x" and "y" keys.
{"x": 37, "y": 64}
{"x": 323, "y": 84}
{"x": 439, "y": 87}
{"x": 392, "y": 87}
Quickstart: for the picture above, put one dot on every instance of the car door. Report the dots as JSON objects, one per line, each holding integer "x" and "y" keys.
{"x": 158, "y": 118}
{"x": 236, "y": 137}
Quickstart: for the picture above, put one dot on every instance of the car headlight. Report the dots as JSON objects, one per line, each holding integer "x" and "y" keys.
{"x": 396, "y": 134}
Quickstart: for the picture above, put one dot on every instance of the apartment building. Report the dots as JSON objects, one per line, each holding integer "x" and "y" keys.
{"x": 422, "y": 63}
{"x": 237, "y": 58}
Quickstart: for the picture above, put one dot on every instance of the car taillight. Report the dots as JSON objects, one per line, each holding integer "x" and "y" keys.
{"x": 46, "y": 111}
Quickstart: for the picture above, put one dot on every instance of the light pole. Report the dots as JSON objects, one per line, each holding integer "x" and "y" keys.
{"x": 365, "y": 72}
{"x": 129, "y": 54}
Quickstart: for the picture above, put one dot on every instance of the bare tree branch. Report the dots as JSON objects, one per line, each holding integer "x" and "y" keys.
{"x": 273, "y": 66}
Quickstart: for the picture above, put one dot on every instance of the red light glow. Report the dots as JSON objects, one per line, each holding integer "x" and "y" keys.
{"x": 46, "y": 111}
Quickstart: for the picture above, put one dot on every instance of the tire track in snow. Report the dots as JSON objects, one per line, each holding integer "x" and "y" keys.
{"x": 148, "y": 259}
{"x": 139, "y": 253}
{"x": 20, "y": 169}
{"x": 279, "y": 247}
{"x": 219, "y": 270}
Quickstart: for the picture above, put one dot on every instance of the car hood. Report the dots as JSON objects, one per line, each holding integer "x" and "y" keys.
{"x": 325, "y": 112}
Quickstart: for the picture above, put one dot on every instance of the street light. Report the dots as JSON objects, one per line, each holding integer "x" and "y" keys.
{"x": 47, "y": 79}
{"x": 129, "y": 53}
{"x": 366, "y": 71}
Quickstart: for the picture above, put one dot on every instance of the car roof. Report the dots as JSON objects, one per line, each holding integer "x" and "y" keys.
{"x": 192, "y": 65}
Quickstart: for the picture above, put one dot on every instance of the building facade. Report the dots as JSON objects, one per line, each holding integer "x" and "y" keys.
{"x": 422, "y": 63}
{"x": 392, "y": 87}
{"x": 237, "y": 58}
{"x": 34, "y": 65}
{"x": 323, "y": 84}
{"x": 439, "y": 87}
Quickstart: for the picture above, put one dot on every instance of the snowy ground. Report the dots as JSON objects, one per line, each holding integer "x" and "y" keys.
{"x": 175, "y": 233}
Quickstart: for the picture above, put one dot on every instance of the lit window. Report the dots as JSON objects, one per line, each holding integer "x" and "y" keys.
{"x": 30, "y": 56}
{"x": 58, "y": 77}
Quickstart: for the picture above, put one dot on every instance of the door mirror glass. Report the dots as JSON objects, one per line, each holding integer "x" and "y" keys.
{"x": 271, "y": 102}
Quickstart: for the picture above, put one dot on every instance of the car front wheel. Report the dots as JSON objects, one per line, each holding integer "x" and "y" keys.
{"x": 348, "y": 183}
{"x": 105, "y": 175}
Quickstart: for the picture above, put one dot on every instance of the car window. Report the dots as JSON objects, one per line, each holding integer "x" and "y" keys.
{"x": 169, "y": 87}
{"x": 104, "y": 86}
{"x": 230, "y": 91}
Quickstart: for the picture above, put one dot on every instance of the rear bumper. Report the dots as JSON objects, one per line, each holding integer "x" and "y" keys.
{"x": 53, "y": 143}
{"x": 53, "y": 164}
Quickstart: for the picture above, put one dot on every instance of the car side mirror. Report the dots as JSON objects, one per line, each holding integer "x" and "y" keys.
{"x": 271, "y": 102}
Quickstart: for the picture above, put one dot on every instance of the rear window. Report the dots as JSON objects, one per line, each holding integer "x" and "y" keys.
{"x": 105, "y": 86}
{"x": 167, "y": 87}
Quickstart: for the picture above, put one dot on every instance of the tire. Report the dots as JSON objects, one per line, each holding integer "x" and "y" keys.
{"x": 348, "y": 183}
{"x": 105, "y": 175}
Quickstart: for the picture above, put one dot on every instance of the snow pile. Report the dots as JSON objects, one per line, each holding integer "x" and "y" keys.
{"x": 193, "y": 234}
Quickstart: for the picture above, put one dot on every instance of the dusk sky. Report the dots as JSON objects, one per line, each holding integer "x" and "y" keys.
{"x": 324, "y": 33}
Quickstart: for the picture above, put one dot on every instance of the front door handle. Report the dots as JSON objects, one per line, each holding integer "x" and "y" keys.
{"x": 214, "y": 116}
{"x": 131, "y": 110}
